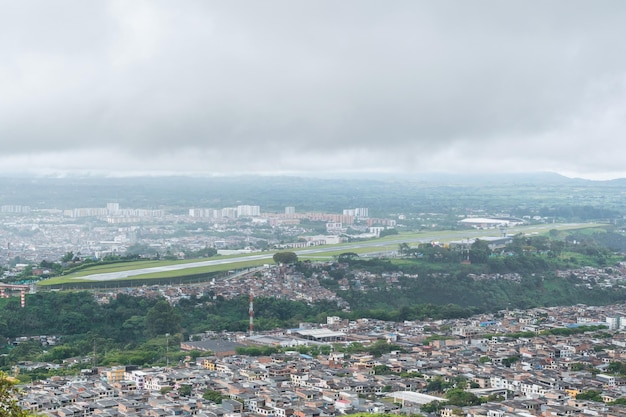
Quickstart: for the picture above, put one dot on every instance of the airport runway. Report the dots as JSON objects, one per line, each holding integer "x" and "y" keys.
{"x": 456, "y": 235}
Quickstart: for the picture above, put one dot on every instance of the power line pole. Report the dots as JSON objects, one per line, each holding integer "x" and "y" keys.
{"x": 167, "y": 350}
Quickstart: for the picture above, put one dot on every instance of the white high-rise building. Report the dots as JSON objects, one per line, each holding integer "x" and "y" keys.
{"x": 613, "y": 322}
{"x": 205, "y": 212}
{"x": 361, "y": 212}
{"x": 290, "y": 210}
{"x": 230, "y": 212}
{"x": 248, "y": 211}
{"x": 113, "y": 208}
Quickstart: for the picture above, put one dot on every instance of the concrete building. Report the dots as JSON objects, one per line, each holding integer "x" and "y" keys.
{"x": 248, "y": 211}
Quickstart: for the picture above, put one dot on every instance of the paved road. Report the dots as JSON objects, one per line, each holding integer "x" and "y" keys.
{"x": 426, "y": 237}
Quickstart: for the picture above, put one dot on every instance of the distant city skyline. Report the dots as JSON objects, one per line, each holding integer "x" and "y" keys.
{"x": 303, "y": 88}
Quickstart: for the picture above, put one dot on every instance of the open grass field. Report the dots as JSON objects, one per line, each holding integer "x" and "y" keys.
{"x": 147, "y": 270}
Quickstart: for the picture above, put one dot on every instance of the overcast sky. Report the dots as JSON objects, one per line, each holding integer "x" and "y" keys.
{"x": 313, "y": 86}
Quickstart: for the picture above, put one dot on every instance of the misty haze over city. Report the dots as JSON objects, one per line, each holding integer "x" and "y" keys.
{"x": 313, "y": 208}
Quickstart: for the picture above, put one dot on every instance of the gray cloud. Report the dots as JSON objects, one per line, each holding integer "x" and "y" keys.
{"x": 283, "y": 86}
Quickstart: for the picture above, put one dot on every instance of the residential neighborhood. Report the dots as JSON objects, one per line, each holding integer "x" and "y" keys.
{"x": 536, "y": 374}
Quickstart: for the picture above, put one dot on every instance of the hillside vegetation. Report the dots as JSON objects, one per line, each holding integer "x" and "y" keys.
{"x": 430, "y": 283}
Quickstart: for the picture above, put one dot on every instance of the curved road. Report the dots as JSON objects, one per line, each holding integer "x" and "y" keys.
{"x": 111, "y": 276}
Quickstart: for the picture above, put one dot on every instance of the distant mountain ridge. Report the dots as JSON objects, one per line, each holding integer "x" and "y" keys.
{"x": 382, "y": 193}
{"x": 436, "y": 177}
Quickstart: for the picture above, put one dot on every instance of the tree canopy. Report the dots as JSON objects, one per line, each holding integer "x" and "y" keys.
{"x": 347, "y": 256}
{"x": 285, "y": 258}
{"x": 162, "y": 319}
{"x": 8, "y": 402}
{"x": 479, "y": 252}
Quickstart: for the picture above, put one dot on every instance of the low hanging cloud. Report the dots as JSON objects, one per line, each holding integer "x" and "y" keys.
{"x": 283, "y": 86}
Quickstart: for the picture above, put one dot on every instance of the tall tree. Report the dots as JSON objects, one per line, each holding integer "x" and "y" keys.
{"x": 162, "y": 319}
{"x": 285, "y": 257}
{"x": 479, "y": 252}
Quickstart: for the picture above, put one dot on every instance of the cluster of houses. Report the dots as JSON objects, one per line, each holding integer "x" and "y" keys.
{"x": 266, "y": 281}
{"x": 591, "y": 276}
{"x": 539, "y": 374}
